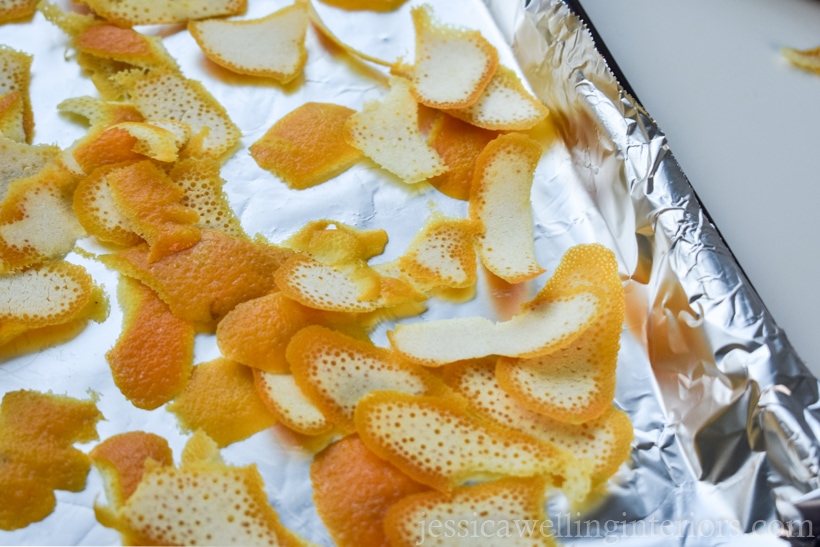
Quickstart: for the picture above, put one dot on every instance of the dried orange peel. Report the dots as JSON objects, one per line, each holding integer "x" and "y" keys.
{"x": 98, "y": 213}
{"x": 452, "y": 66}
{"x": 152, "y": 358}
{"x": 205, "y": 282}
{"x": 221, "y": 400}
{"x": 307, "y": 146}
{"x": 277, "y": 42}
{"x": 500, "y": 204}
{"x": 19, "y": 160}
{"x": 15, "y": 76}
{"x": 127, "y": 13}
{"x": 286, "y": 401}
{"x": 353, "y": 489}
{"x": 576, "y": 383}
{"x": 606, "y": 440}
{"x": 438, "y": 442}
{"x": 204, "y": 501}
{"x": 543, "y": 326}
{"x": 335, "y": 371}
{"x": 495, "y": 512}
{"x": 37, "y": 432}
{"x": 387, "y": 132}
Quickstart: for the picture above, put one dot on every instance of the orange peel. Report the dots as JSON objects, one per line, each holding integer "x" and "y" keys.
{"x": 127, "y": 13}
{"x": 272, "y": 46}
{"x": 15, "y": 76}
{"x": 307, "y": 146}
{"x": 287, "y": 403}
{"x": 152, "y": 358}
{"x": 221, "y": 400}
{"x": 98, "y": 213}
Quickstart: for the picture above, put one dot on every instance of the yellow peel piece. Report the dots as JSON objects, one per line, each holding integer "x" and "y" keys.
{"x": 387, "y": 132}
{"x": 272, "y": 47}
{"x": 127, "y": 13}
{"x": 500, "y": 203}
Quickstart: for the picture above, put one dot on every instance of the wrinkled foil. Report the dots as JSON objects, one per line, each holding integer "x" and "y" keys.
{"x": 724, "y": 411}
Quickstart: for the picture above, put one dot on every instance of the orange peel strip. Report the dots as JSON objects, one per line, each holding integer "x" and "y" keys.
{"x": 576, "y": 383}
{"x": 307, "y": 146}
{"x": 16, "y": 10}
{"x": 272, "y": 46}
{"x": 505, "y": 105}
{"x": 201, "y": 502}
{"x": 437, "y": 442}
{"x": 542, "y": 327}
{"x": 459, "y": 145}
{"x": 353, "y": 489}
{"x": 606, "y": 439}
{"x": 20, "y": 160}
{"x": 122, "y": 458}
{"x": 369, "y": 5}
{"x": 335, "y": 371}
{"x": 387, "y": 132}
{"x": 201, "y": 183}
{"x": 256, "y": 333}
{"x": 150, "y": 201}
{"x": 499, "y": 511}
{"x": 37, "y": 432}
{"x": 152, "y": 358}
{"x": 164, "y": 94}
{"x": 442, "y": 254}
{"x": 124, "y": 45}
{"x": 808, "y": 59}
{"x": 221, "y": 400}
{"x": 500, "y": 203}
{"x": 452, "y": 66}
{"x": 285, "y": 400}
{"x": 98, "y": 213}
{"x": 127, "y": 13}
{"x": 203, "y": 283}
{"x": 11, "y": 116}
{"x": 15, "y": 75}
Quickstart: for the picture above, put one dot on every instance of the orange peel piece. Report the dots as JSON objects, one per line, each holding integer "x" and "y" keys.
{"x": 355, "y": 516}
{"x": 37, "y": 221}
{"x": 98, "y": 213}
{"x": 307, "y": 146}
{"x": 203, "y": 283}
{"x": 150, "y": 201}
{"x": 509, "y": 511}
{"x": 807, "y": 59}
{"x": 317, "y": 285}
{"x": 204, "y": 501}
{"x": 122, "y": 458}
{"x": 123, "y": 45}
{"x": 202, "y": 188}
{"x": 335, "y": 371}
{"x": 221, "y": 400}
{"x": 152, "y": 358}
{"x": 606, "y": 440}
{"x": 576, "y": 383}
{"x": 286, "y": 401}
{"x": 543, "y": 326}
{"x": 20, "y": 160}
{"x": 271, "y": 47}
{"x": 500, "y": 203}
{"x": 387, "y": 132}
{"x": 257, "y": 332}
{"x": 459, "y": 145}
{"x": 442, "y": 254}
{"x": 505, "y": 105}
{"x": 15, "y": 76}
{"x": 37, "y": 432}
{"x": 11, "y": 116}
{"x": 127, "y": 13}
{"x": 369, "y": 5}
{"x": 16, "y": 10}
{"x": 437, "y": 442}
{"x": 452, "y": 66}
{"x": 164, "y": 94}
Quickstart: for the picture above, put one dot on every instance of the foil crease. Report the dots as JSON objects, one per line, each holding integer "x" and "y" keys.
{"x": 725, "y": 413}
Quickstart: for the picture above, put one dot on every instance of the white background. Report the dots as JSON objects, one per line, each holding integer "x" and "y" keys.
{"x": 744, "y": 124}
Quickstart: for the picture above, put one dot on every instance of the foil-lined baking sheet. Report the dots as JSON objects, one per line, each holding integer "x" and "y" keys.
{"x": 725, "y": 413}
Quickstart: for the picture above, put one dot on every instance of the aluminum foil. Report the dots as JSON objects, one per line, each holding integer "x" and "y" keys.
{"x": 725, "y": 413}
